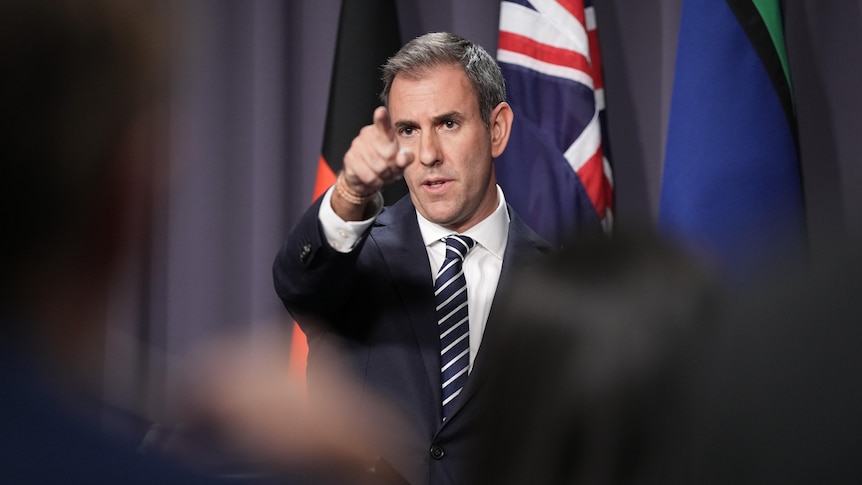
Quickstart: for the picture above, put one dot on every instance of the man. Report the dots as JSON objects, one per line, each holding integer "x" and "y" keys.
{"x": 360, "y": 279}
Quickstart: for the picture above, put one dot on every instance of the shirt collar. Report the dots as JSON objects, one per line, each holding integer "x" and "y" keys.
{"x": 491, "y": 232}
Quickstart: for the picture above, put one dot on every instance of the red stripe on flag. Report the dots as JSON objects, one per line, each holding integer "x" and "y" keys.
{"x": 576, "y": 8}
{"x": 298, "y": 362}
{"x": 298, "y": 343}
{"x": 596, "y": 58}
{"x": 598, "y": 187}
{"x": 543, "y": 52}
{"x": 325, "y": 178}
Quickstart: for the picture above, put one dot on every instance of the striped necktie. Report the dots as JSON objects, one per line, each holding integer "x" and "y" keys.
{"x": 450, "y": 290}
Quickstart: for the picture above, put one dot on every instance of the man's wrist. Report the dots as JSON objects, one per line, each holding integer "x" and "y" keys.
{"x": 349, "y": 195}
{"x": 350, "y": 211}
{"x": 342, "y": 231}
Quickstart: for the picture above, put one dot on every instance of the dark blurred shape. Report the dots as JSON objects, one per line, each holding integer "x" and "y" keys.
{"x": 79, "y": 80}
{"x": 81, "y": 103}
{"x": 77, "y": 97}
{"x": 587, "y": 367}
{"x": 776, "y": 391}
{"x": 622, "y": 362}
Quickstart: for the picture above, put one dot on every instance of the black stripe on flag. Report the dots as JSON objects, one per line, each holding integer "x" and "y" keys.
{"x": 755, "y": 29}
{"x": 368, "y": 34}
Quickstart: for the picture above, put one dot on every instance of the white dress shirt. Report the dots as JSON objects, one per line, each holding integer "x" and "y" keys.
{"x": 482, "y": 266}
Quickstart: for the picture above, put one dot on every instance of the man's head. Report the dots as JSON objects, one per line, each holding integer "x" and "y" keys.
{"x": 441, "y": 49}
{"x": 446, "y": 100}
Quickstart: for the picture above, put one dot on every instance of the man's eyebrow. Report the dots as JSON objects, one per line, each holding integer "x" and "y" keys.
{"x": 452, "y": 115}
{"x": 401, "y": 124}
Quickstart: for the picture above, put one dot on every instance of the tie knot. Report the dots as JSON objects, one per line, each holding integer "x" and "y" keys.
{"x": 458, "y": 245}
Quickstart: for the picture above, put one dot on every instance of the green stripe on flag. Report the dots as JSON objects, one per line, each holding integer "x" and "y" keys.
{"x": 770, "y": 11}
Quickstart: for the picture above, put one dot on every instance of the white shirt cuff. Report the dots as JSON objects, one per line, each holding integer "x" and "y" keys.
{"x": 340, "y": 234}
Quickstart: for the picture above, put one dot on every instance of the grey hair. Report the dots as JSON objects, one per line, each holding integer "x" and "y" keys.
{"x": 443, "y": 48}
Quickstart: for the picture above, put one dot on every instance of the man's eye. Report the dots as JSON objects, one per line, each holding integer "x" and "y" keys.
{"x": 449, "y": 124}
{"x": 407, "y": 131}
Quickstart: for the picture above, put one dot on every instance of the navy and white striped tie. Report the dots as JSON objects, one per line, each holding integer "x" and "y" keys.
{"x": 450, "y": 289}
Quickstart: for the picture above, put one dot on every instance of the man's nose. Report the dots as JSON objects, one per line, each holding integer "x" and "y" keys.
{"x": 429, "y": 148}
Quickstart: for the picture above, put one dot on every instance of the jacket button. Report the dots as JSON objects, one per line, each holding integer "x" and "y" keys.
{"x": 305, "y": 253}
{"x": 437, "y": 452}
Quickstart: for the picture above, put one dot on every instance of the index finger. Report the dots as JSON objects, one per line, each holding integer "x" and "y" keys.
{"x": 383, "y": 122}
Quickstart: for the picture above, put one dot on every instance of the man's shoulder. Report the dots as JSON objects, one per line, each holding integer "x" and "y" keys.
{"x": 524, "y": 233}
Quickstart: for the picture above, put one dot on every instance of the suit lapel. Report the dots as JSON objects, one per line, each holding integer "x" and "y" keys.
{"x": 403, "y": 251}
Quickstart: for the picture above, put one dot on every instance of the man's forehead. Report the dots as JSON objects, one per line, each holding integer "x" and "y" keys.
{"x": 440, "y": 90}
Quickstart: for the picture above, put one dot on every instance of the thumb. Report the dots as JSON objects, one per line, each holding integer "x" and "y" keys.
{"x": 404, "y": 158}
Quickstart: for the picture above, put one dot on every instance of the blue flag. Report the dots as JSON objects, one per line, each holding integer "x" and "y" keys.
{"x": 732, "y": 184}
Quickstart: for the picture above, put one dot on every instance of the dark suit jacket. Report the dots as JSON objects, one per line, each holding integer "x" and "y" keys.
{"x": 373, "y": 310}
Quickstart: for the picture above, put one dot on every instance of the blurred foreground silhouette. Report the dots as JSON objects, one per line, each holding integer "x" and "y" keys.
{"x": 82, "y": 98}
{"x": 624, "y": 361}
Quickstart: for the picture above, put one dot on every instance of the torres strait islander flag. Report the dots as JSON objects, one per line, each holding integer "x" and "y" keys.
{"x": 732, "y": 182}
{"x": 554, "y": 170}
{"x": 368, "y": 35}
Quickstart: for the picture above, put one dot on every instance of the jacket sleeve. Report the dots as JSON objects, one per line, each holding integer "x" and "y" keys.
{"x": 313, "y": 280}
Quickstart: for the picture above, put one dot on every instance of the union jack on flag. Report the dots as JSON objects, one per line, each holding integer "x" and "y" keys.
{"x": 554, "y": 170}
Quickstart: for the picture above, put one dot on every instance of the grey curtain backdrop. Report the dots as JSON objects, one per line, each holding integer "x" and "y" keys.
{"x": 248, "y": 90}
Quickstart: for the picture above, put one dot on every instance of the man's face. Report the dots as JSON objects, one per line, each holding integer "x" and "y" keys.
{"x": 451, "y": 180}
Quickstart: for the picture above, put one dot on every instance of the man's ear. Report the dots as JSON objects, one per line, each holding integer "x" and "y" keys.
{"x": 501, "y": 127}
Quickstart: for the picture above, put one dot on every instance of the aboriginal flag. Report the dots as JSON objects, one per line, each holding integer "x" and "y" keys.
{"x": 368, "y": 35}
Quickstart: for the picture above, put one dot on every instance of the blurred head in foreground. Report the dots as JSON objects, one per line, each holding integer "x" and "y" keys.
{"x": 80, "y": 96}
{"x": 77, "y": 94}
{"x": 586, "y": 365}
{"x": 622, "y": 363}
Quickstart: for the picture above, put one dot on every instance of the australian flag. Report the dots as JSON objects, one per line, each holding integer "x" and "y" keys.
{"x": 554, "y": 172}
